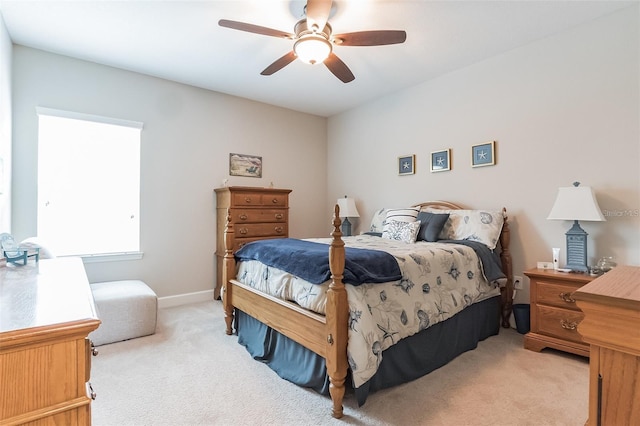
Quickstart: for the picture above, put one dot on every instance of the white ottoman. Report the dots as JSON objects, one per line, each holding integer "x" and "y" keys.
{"x": 127, "y": 309}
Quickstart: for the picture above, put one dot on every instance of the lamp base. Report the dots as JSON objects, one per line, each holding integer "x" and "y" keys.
{"x": 346, "y": 227}
{"x": 577, "y": 248}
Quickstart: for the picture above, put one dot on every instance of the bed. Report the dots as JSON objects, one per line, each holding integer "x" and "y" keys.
{"x": 318, "y": 333}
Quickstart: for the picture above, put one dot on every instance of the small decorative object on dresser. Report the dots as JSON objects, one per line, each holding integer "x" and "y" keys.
{"x": 554, "y": 313}
{"x": 257, "y": 213}
{"x": 611, "y": 306}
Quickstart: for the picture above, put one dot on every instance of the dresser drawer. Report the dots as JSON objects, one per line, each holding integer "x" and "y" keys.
{"x": 257, "y": 199}
{"x": 556, "y": 294}
{"x": 258, "y": 216}
{"x": 250, "y": 230}
{"x": 239, "y": 242}
{"x": 560, "y": 323}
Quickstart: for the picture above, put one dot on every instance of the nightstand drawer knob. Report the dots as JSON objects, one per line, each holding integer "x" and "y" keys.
{"x": 568, "y": 325}
{"x": 567, "y": 297}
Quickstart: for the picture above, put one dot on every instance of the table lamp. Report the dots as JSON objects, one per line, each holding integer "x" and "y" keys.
{"x": 576, "y": 203}
{"x": 347, "y": 209}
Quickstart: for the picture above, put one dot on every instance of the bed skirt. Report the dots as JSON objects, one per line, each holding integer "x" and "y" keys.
{"x": 407, "y": 360}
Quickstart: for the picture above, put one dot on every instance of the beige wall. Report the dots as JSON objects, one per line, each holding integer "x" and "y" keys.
{"x": 5, "y": 128}
{"x": 187, "y": 137}
{"x": 562, "y": 109}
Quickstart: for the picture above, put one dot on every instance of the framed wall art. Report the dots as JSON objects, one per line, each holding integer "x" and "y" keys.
{"x": 483, "y": 154}
{"x": 245, "y": 165}
{"x": 407, "y": 165}
{"x": 441, "y": 160}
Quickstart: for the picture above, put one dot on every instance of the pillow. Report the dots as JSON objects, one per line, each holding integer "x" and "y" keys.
{"x": 476, "y": 225}
{"x": 403, "y": 215}
{"x": 377, "y": 221}
{"x": 401, "y": 231}
{"x": 430, "y": 225}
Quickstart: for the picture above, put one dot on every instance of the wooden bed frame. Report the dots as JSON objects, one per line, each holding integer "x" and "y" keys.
{"x": 325, "y": 335}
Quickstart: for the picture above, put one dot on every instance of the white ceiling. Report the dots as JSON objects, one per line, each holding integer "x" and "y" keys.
{"x": 181, "y": 41}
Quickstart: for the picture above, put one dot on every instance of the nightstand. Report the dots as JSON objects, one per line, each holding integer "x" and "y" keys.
{"x": 554, "y": 313}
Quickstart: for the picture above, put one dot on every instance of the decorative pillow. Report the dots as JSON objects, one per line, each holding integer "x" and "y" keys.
{"x": 377, "y": 221}
{"x": 476, "y": 225}
{"x": 403, "y": 215}
{"x": 430, "y": 225}
{"x": 401, "y": 231}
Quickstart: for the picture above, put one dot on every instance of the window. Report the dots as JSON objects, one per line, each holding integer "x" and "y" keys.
{"x": 88, "y": 184}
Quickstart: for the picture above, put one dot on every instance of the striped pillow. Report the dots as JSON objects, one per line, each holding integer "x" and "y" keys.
{"x": 402, "y": 215}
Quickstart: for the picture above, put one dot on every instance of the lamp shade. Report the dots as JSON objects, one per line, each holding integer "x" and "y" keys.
{"x": 347, "y": 207}
{"x": 576, "y": 203}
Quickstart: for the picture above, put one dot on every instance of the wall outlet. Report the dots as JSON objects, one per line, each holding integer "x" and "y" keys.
{"x": 518, "y": 282}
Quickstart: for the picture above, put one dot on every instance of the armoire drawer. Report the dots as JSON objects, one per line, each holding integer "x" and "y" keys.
{"x": 259, "y": 199}
{"x": 250, "y": 230}
{"x": 240, "y": 216}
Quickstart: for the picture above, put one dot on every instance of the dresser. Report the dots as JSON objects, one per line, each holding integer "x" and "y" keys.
{"x": 257, "y": 213}
{"x": 554, "y": 313}
{"x": 611, "y": 325}
{"x": 46, "y": 314}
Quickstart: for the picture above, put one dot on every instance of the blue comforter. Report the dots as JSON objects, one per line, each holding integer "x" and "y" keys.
{"x": 310, "y": 261}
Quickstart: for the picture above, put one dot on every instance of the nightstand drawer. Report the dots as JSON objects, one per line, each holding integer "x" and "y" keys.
{"x": 240, "y": 216}
{"x": 558, "y": 322}
{"x": 556, "y": 294}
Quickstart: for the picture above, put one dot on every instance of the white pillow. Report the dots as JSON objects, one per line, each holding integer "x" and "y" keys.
{"x": 402, "y": 215}
{"x": 401, "y": 231}
{"x": 475, "y": 225}
{"x": 377, "y": 221}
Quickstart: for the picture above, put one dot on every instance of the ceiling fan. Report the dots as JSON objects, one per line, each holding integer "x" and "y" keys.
{"x": 314, "y": 42}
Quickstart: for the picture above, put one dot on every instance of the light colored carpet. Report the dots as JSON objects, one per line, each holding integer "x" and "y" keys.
{"x": 191, "y": 373}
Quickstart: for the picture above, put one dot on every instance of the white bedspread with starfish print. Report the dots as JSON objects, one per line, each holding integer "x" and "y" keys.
{"x": 438, "y": 281}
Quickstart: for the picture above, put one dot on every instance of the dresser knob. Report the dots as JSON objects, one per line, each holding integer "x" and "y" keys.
{"x": 568, "y": 325}
{"x": 567, "y": 297}
{"x": 279, "y": 229}
{"x": 247, "y": 199}
{"x": 274, "y": 201}
{"x": 243, "y": 217}
{"x": 279, "y": 216}
{"x": 244, "y": 231}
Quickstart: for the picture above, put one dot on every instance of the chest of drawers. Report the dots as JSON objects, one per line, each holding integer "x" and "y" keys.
{"x": 554, "y": 313}
{"x": 257, "y": 213}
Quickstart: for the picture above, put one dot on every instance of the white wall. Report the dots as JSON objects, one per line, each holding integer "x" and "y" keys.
{"x": 187, "y": 137}
{"x": 562, "y": 109}
{"x": 6, "y": 49}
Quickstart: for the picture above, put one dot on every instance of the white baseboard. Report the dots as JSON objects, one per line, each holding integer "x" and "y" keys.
{"x": 184, "y": 299}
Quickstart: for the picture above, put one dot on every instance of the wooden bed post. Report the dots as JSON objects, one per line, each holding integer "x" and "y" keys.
{"x": 228, "y": 272}
{"x": 337, "y": 314}
{"x": 507, "y": 267}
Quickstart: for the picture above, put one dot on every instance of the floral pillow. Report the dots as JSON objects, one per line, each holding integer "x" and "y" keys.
{"x": 476, "y": 225}
{"x": 377, "y": 221}
{"x": 401, "y": 231}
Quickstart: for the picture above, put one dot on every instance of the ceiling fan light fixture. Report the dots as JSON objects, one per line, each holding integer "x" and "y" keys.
{"x": 312, "y": 49}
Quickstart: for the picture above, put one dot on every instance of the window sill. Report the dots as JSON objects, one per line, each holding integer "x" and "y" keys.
{"x": 111, "y": 257}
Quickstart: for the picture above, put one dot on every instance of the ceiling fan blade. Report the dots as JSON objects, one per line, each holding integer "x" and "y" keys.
{"x": 370, "y": 38}
{"x": 339, "y": 68}
{"x": 318, "y": 12}
{"x": 279, "y": 63}
{"x": 257, "y": 29}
